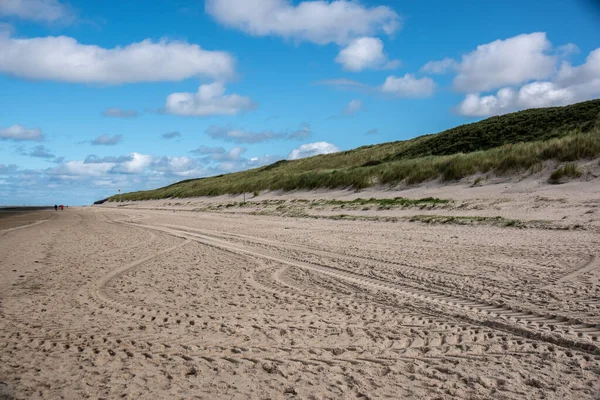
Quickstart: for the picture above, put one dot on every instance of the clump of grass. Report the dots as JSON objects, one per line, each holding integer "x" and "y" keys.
{"x": 396, "y": 201}
{"x": 566, "y": 171}
{"x": 477, "y": 181}
{"x": 466, "y": 220}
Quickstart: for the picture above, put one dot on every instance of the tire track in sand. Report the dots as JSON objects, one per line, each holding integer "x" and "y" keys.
{"x": 548, "y": 328}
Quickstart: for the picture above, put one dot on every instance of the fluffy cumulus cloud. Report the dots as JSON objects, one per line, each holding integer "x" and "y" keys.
{"x": 347, "y": 23}
{"x": 128, "y": 165}
{"x": 234, "y": 135}
{"x": 36, "y": 10}
{"x": 178, "y": 166}
{"x": 136, "y": 165}
{"x": 120, "y": 113}
{"x": 312, "y": 149}
{"x": 506, "y": 62}
{"x": 365, "y": 53}
{"x": 84, "y": 181}
{"x": 105, "y": 140}
{"x": 319, "y": 22}
{"x": 21, "y": 133}
{"x": 586, "y": 74}
{"x": 64, "y": 59}
{"x": 74, "y": 169}
{"x": 531, "y": 95}
{"x": 569, "y": 85}
{"x": 210, "y": 99}
{"x": 408, "y": 86}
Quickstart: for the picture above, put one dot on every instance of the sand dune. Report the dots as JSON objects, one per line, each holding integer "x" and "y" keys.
{"x": 131, "y": 302}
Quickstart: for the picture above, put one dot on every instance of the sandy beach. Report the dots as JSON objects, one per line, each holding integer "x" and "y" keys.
{"x": 193, "y": 298}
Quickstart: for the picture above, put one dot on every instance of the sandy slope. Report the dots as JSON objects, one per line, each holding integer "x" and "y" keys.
{"x": 110, "y": 302}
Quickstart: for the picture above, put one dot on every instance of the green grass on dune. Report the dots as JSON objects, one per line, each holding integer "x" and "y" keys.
{"x": 564, "y": 172}
{"x": 500, "y": 145}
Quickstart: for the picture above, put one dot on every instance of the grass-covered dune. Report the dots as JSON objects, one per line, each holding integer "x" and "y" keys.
{"x": 505, "y": 144}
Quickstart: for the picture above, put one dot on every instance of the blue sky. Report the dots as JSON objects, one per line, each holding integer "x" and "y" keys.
{"x": 101, "y": 96}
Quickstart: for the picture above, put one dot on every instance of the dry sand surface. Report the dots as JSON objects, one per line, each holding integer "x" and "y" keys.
{"x": 258, "y": 302}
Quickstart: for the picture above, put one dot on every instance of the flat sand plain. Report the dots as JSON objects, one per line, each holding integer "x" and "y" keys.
{"x": 196, "y": 299}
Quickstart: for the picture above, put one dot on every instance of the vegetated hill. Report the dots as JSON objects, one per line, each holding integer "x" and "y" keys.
{"x": 502, "y": 144}
{"x": 523, "y": 126}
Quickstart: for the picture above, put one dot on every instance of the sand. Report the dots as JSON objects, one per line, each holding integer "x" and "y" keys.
{"x": 186, "y": 299}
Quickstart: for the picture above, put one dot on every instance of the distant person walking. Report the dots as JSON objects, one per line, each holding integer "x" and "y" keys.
{"x": 55, "y": 207}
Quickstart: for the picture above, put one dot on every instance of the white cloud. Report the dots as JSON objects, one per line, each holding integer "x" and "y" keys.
{"x": 476, "y": 105}
{"x": 320, "y": 22}
{"x": 583, "y": 74}
{"x": 439, "y": 67}
{"x": 137, "y": 164}
{"x": 506, "y": 62}
{"x": 21, "y": 133}
{"x": 234, "y": 154}
{"x": 544, "y": 94}
{"x": 353, "y": 107}
{"x": 408, "y": 86}
{"x": 105, "y": 140}
{"x": 130, "y": 165}
{"x": 182, "y": 166}
{"x": 312, "y": 149}
{"x": 568, "y": 86}
{"x": 364, "y": 53}
{"x": 64, "y": 59}
{"x": 79, "y": 168}
{"x": 234, "y": 135}
{"x": 210, "y": 99}
{"x": 531, "y": 95}
{"x": 35, "y": 10}
{"x": 120, "y": 113}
